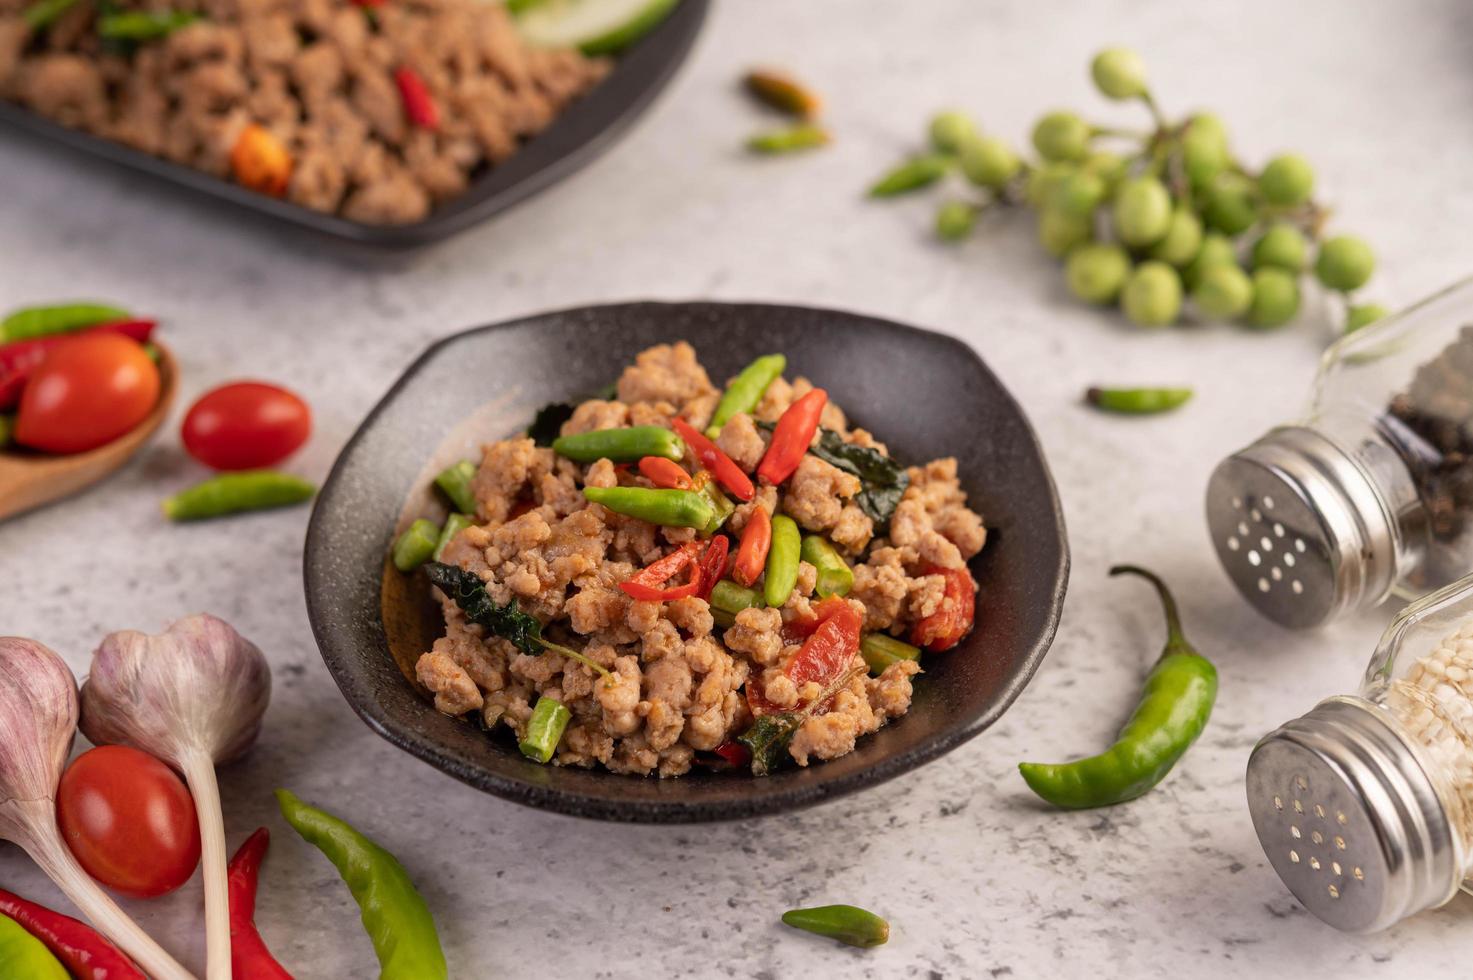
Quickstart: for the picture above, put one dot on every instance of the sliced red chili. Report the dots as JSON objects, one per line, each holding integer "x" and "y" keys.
{"x": 726, "y": 472}
{"x": 664, "y": 473}
{"x": 751, "y": 556}
{"x": 953, "y": 619}
{"x": 713, "y": 565}
{"x": 792, "y": 436}
{"x": 19, "y": 358}
{"x": 648, "y": 584}
{"x": 419, "y": 105}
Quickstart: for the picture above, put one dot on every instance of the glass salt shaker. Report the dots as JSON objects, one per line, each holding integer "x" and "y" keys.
{"x": 1364, "y": 806}
{"x": 1372, "y": 492}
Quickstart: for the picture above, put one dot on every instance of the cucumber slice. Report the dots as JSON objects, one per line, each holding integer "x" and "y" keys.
{"x": 592, "y": 26}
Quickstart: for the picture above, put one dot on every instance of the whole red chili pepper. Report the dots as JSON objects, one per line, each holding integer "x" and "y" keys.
{"x": 824, "y": 656}
{"x": 713, "y": 565}
{"x": 751, "y": 556}
{"x": 664, "y": 473}
{"x": 249, "y": 957}
{"x": 19, "y": 358}
{"x": 726, "y": 472}
{"x": 953, "y": 619}
{"x": 648, "y": 584}
{"x": 791, "y": 437}
{"x": 419, "y": 106}
{"x": 85, "y": 953}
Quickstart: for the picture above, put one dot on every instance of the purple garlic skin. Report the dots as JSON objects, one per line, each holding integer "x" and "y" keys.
{"x": 198, "y": 684}
{"x": 38, "y": 720}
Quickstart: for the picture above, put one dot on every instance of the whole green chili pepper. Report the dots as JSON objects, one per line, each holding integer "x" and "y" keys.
{"x": 22, "y": 955}
{"x": 43, "y": 321}
{"x": 849, "y": 925}
{"x": 545, "y": 729}
{"x": 454, "y": 524}
{"x": 42, "y": 14}
{"x": 746, "y": 390}
{"x": 880, "y": 650}
{"x": 1172, "y": 712}
{"x": 955, "y": 220}
{"x": 455, "y": 481}
{"x": 620, "y": 445}
{"x": 1137, "y": 401}
{"x": 781, "y": 574}
{"x": 232, "y": 493}
{"x": 416, "y": 545}
{"x": 668, "y": 508}
{"x": 912, "y": 175}
{"x": 394, "y": 913}
{"x": 790, "y": 139}
{"x": 835, "y": 577}
{"x": 142, "y": 25}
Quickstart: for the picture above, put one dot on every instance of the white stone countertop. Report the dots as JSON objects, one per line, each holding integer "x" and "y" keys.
{"x": 977, "y": 878}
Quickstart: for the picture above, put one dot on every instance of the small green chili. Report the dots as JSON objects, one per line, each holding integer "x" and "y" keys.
{"x": 849, "y": 925}
{"x": 789, "y": 139}
{"x": 455, "y": 481}
{"x": 668, "y": 508}
{"x": 620, "y": 445}
{"x": 393, "y": 911}
{"x": 1173, "y": 710}
{"x": 42, "y": 14}
{"x": 746, "y": 390}
{"x": 781, "y": 574}
{"x": 835, "y": 577}
{"x": 880, "y": 650}
{"x": 1137, "y": 401}
{"x": 143, "y": 25}
{"x": 416, "y": 545}
{"x": 232, "y": 493}
{"x": 912, "y": 175}
{"x": 545, "y": 729}
{"x": 43, "y": 321}
{"x": 454, "y": 524}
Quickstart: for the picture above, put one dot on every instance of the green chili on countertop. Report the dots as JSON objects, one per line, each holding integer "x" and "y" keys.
{"x": 455, "y": 482}
{"x": 1137, "y": 401}
{"x": 783, "y": 554}
{"x": 668, "y": 508}
{"x": 233, "y": 493}
{"x": 835, "y": 577}
{"x": 454, "y": 524}
{"x": 545, "y": 729}
{"x": 1173, "y": 710}
{"x": 955, "y": 220}
{"x": 416, "y": 545}
{"x": 880, "y": 650}
{"x": 43, "y": 321}
{"x": 42, "y": 14}
{"x": 912, "y": 175}
{"x": 789, "y": 139}
{"x": 143, "y": 25}
{"x": 394, "y": 913}
{"x": 746, "y": 390}
{"x": 23, "y": 955}
{"x": 849, "y": 925}
{"x": 620, "y": 445}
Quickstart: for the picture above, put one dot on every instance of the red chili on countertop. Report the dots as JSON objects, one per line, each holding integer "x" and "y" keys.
{"x": 720, "y": 465}
{"x": 86, "y": 954}
{"x": 953, "y": 619}
{"x": 792, "y": 436}
{"x": 249, "y": 957}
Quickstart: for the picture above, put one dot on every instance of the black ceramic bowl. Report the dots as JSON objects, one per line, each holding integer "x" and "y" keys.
{"x": 589, "y": 126}
{"x": 923, "y": 394}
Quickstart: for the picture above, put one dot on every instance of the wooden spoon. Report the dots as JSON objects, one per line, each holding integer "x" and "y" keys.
{"x": 30, "y": 479}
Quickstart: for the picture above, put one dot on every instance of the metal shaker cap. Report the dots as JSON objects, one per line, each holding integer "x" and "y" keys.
{"x": 1301, "y": 528}
{"x": 1349, "y": 818}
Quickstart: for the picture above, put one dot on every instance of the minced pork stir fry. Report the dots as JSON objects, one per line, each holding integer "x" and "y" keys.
{"x": 676, "y": 575}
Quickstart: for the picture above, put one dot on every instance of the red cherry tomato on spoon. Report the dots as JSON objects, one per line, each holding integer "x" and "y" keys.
{"x": 246, "y": 425}
{"x": 87, "y": 392}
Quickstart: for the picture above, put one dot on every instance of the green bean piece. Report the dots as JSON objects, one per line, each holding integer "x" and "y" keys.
{"x": 545, "y": 729}
{"x": 849, "y": 925}
{"x": 880, "y": 650}
{"x": 43, "y": 321}
{"x": 781, "y": 574}
{"x": 25, "y": 957}
{"x": 732, "y": 598}
{"x": 455, "y": 481}
{"x": 912, "y": 175}
{"x": 620, "y": 445}
{"x": 454, "y": 524}
{"x": 7, "y": 426}
{"x": 41, "y": 15}
{"x": 394, "y": 913}
{"x": 789, "y": 139}
{"x": 721, "y": 508}
{"x": 835, "y": 577}
{"x": 143, "y": 25}
{"x": 234, "y": 493}
{"x": 416, "y": 545}
{"x": 1138, "y": 401}
{"x": 746, "y": 390}
{"x": 1173, "y": 709}
{"x": 667, "y": 508}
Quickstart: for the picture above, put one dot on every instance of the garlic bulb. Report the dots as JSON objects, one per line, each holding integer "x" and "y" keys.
{"x": 193, "y": 696}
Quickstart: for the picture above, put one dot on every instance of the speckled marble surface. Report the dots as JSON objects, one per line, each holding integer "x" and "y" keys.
{"x": 977, "y": 878}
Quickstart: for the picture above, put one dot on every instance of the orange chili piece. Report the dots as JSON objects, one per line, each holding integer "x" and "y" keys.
{"x": 751, "y": 556}
{"x": 713, "y": 565}
{"x": 953, "y": 619}
{"x": 792, "y": 436}
{"x": 726, "y": 472}
{"x": 648, "y": 585}
{"x": 419, "y": 106}
{"x": 664, "y": 473}
{"x": 260, "y": 162}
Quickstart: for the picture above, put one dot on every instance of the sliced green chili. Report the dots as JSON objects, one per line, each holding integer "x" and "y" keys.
{"x": 721, "y": 508}
{"x": 43, "y": 321}
{"x": 880, "y": 650}
{"x": 781, "y": 574}
{"x": 454, "y": 524}
{"x": 143, "y": 25}
{"x": 233, "y": 493}
{"x": 746, "y": 390}
{"x": 849, "y": 925}
{"x": 789, "y": 139}
{"x": 394, "y": 913}
{"x": 668, "y": 508}
{"x": 416, "y": 545}
{"x": 1173, "y": 710}
{"x": 912, "y": 175}
{"x": 620, "y": 445}
{"x": 1137, "y": 401}
{"x": 455, "y": 481}
{"x": 835, "y": 577}
{"x": 545, "y": 729}
{"x": 41, "y": 15}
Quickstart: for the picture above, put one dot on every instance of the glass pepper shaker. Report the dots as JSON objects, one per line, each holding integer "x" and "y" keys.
{"x": 1364, "y": 806}
{"x": 1372, "y": 492}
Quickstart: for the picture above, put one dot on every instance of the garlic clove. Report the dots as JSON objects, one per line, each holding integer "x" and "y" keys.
{"x": 38, "y": 721}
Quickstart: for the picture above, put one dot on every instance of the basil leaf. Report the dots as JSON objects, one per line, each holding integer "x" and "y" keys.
{"x": 768, "y": 740}
{"x": 882, "y": 480}
{"x": 469, "y": 593}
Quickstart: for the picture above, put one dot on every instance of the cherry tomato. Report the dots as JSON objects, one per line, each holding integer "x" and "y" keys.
{"x": 945, "y": 627}
{"x": 129, "y": 820}
{"x": 246, "y": 425}
{"x": 85, "y": 393}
